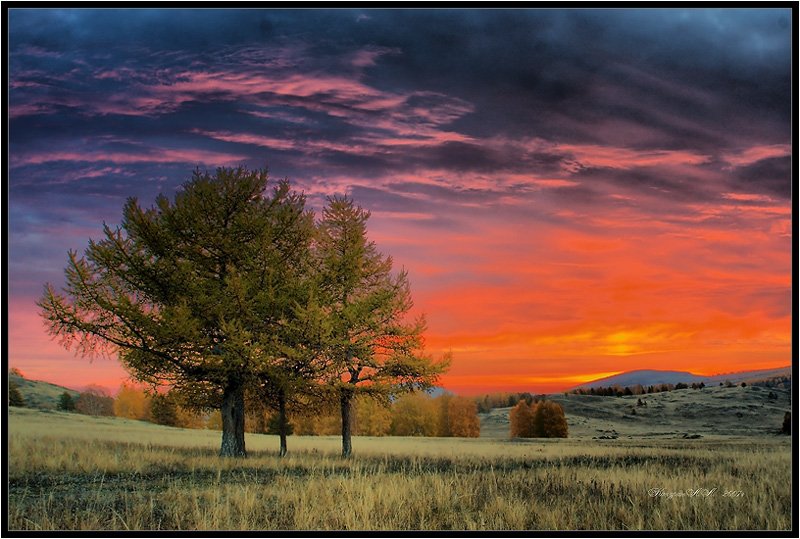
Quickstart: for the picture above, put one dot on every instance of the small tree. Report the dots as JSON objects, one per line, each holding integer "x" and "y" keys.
{"x": 462, "y": 414}
{"x": 14, "y": 396}
{"x": 275, "y": 425}
{"x": 521, "y": 419}
{"x": 415, "y": 414}
{"x": 66, "y": 402}
{"x": 131, "y": 403}
{"x": 164, "y": 409}
{"x": 373, "y": 348}
{"x": 373, "y": 417}
{"x": 787, "y": 423}
{"x": 94, "y": 401}
{"x": 549, "y": 420}
{"x": 541, "y": 419}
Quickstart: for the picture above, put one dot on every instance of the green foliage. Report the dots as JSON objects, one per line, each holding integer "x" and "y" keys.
{"x": 66, "y": 402}
{"x": 163, "y": 409}
{"x": 192, "y": 292}
{"x": 231, "y": 292}
{"x": 14, "y": 396}
{"x": 274, "y": 425}
{"x": 372, "y": 346}
{"x": 371, "y": 342}
{"x": 178, "y": 288}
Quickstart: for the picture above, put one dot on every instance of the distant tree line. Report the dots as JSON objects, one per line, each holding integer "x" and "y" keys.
{"x": 617, "y": 390}
{"x": 501, "y": 399}
{"x": 415, "y": 414}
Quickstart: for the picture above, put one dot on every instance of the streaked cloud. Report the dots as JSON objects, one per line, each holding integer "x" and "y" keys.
{"x": 573, "y": 192}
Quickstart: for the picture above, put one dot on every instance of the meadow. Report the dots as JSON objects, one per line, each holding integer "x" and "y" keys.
{"x": 72, "y": 472}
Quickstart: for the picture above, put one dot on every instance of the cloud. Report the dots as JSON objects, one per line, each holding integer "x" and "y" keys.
{"x": 563, "y": 185}
{"x": 754, "y": 154}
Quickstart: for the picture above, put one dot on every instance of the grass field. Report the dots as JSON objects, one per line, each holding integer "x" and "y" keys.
{"x": 74, "y": 472}
{"x": 710, "y": 412}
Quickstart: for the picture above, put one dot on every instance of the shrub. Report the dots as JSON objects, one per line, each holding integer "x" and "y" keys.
{"x": 66, "y": 402}
{"x": 549, "y": 416}
{"x": 274, "y": 425}
{"x": 131, "y": 402}
{"x": 543, "y": 419}
{"x": 787, "y": 423}
{"x": 163, "y": 410}
{"x": 94, "y": 401}
{"x": 415, "y": 414}
{"x": 372, "y": 417}
{"x": 521, "y": 419}
{"x": 462, "y": 418}
{"x": 14, "y": 396}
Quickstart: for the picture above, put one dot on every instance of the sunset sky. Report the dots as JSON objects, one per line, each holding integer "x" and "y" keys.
{"x": 574, "y": 193}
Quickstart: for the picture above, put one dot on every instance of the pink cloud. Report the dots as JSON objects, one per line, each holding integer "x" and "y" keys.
{"x": 747, "y": 197}
{"x": 756, "y": 153}
{"x": 368, "y": 57}
{"x": 29, "y": 109}
{"x": 588, "y": 155}
{"x": 147, "y": 156}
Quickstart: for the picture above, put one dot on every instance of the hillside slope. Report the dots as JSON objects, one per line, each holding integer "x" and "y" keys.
{"x": 39, "y": 394}
{"x": 741, "y": 411}
{"x": 647, "y": 377}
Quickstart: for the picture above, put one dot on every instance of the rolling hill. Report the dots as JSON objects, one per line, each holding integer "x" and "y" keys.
{"x": 654, "y": 377}
{"x": 708, "y": 412}
{"x": 39, "y": 394}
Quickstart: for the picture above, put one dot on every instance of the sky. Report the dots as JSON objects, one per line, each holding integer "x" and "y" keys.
{"x": 574, "y": 192}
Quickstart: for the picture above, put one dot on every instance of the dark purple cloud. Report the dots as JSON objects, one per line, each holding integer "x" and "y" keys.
{"x": 453, "y": 126}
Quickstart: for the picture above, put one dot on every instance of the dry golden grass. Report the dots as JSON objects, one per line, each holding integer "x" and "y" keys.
{"x": 79, "y": 473}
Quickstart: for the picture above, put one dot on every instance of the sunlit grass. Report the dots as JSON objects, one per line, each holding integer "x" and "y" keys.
{"x": 74, "y": 472}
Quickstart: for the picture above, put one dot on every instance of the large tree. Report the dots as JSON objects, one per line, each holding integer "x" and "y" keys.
{"x": 189, "y": 292}
{"x": 373, "y": 346}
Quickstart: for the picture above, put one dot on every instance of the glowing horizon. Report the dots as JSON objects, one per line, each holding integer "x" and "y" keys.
{"x": 564, "y": 211}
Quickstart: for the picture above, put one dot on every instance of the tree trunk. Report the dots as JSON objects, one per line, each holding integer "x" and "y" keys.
{"x": 347, "y": 408}
{"x": 233, "y": 421}
{"x": 283, "y": 423}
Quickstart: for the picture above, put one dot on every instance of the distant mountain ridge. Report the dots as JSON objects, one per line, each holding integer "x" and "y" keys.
{"x": 648, "y": 377}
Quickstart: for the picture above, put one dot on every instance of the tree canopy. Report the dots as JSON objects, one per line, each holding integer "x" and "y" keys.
{"x": 189, "y": 292}
{"x": 231, "y": 291}
{"x": 373, "y": 346}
